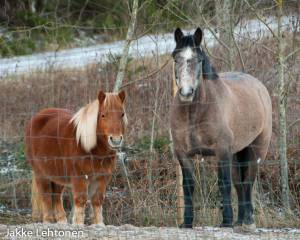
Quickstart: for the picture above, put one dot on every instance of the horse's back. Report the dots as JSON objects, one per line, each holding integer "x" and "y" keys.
{"x": 43, "y": 132}
{"x": 47, "y": 121}
{"x": 245, "y": 86}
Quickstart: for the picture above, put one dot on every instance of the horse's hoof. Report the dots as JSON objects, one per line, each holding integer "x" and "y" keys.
{"x": 186, "y": 225}
{"x": 226, "y": 225}
{"x": 250, "y": 228}
{"x": 238, "y": 228}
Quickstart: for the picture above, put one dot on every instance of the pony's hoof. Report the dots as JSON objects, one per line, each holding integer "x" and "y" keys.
{"x": 249, "y": 228}
{"x": 62, "y": 221}
{"x": 186, "y": 225}
{"x": 78, "y": 224}
{"x": 98, "y": 225}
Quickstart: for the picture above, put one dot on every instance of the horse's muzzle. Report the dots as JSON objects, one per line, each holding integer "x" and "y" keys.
{"x": 186, "y": 94}
{"x": 115, "y": 141}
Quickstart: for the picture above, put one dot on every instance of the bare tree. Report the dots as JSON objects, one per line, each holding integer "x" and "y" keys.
{"x": 225, "y": 26}
{"x": 124, "y": 58}
{"x": 282, "y": 100}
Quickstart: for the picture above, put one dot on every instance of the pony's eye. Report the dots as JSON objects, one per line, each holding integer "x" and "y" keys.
{"x": 103, "y": 115}
{"x": 123, "y": 114}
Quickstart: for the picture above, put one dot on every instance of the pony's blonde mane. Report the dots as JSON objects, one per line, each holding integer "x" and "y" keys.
{"x": 85, "y": 122}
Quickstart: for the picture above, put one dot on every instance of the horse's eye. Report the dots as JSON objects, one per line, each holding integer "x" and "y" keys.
{"x": 103, "y": 115}
{"x": 123, "y": 114}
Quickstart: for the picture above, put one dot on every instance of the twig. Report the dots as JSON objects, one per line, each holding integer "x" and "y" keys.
{"x": 293, "y": 123}
{"x": 149, "y": 75}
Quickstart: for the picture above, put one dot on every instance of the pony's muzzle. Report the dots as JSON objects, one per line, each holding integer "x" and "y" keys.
{"x": 186, "y": 93}
{"x": 115, "y": 141}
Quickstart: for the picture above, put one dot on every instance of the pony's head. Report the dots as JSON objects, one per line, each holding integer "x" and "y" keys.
{"x": 191, "y": 64}
{"x": 103, "y": 119}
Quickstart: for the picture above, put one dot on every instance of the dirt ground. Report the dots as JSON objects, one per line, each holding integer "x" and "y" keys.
{"x": 124, "y": 232}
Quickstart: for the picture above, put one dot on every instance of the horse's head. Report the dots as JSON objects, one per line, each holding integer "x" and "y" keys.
{"x": 191, "y": 64}
{"x": 102, "y": 120}
{"x": 112, "y": 118}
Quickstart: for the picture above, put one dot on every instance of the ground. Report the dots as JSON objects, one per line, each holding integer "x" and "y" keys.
{"x": 129, "y": 232}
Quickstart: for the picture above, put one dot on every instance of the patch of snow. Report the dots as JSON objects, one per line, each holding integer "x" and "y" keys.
{"x": 145, "y": 46}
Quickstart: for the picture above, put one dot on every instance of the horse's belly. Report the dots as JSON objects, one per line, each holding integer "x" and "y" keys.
{"x": 246, "y": 128}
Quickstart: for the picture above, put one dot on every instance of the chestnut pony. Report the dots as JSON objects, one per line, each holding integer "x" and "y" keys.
{"x": 77, "y": 151}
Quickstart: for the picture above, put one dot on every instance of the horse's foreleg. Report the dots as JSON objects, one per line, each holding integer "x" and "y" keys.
{"x": 237, "y": 176}
{"x": 224, "y": 182}
{"x": 97, "y": 192}
{"x": 188, "y": 184}
{"x": 79, "y": 187}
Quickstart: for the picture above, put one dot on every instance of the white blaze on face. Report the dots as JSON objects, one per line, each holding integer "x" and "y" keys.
{"x": 186, "y": 78}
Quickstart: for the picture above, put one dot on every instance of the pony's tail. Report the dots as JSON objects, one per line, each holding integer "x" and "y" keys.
{"x": 36, "y": 202}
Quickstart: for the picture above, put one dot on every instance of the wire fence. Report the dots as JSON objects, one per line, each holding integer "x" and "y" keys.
{"x": 142, "y": 191}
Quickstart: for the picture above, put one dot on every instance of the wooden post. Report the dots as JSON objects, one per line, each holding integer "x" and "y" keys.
{"x": 179, "y": 188}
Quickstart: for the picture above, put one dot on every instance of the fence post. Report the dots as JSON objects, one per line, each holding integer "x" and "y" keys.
{"x": 179, "y": 188}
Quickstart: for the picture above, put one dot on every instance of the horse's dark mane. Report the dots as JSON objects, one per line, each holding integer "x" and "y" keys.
{"x": 209, "y": 72}
{"x": 208, "y": 69}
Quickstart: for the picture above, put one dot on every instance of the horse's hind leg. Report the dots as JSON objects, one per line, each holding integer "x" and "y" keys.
{"x": 248, "y": 160}
{"x": 45, "y": 189}
{"x": 97, "y": 192}
{"x": 59, "y": 211}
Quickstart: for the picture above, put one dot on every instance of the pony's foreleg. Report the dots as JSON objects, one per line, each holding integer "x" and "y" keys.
{"x": 79, "y": 188}
{"x": 224, "y": 182}
{"x": 188, "y": 184}
{"x": 97, "y": 192}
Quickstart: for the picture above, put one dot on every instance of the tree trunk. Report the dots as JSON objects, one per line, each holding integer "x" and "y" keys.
{"x": 225, "y": 28}
{"x": 282, "y": 94}
{"x": 129, "y": 36}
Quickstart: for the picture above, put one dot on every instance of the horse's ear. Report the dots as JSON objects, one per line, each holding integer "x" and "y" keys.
{"x": 121, "y": 95}
{"x": 198, "y": 36}
{"x": 178, "y": 35}
{"x": 101, "y": 96}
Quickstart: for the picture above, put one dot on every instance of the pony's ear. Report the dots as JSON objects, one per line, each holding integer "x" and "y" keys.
{"x": 101, "y": 96}
{"x": 178, "y": 35}
{"x": 121, "y": 95}
{"x": 198, "y": 36}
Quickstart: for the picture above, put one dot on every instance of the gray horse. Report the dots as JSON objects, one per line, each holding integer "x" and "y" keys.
{"x": 227, "y": 115}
